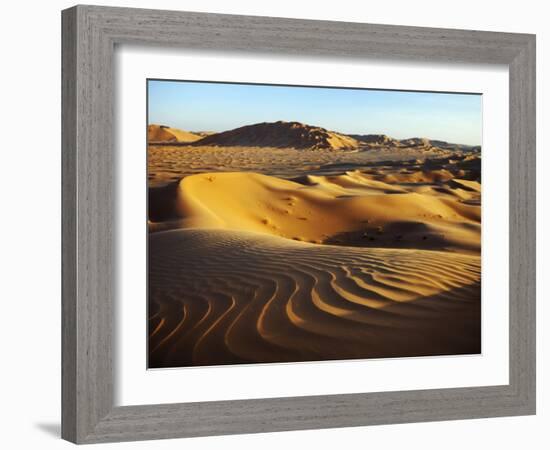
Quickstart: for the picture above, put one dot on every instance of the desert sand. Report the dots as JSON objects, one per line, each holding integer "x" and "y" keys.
{"x": 161, "y": 133}
{"x": 264, "y": 253}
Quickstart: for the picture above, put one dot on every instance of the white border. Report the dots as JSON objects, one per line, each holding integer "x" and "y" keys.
{"x": 136, "y": 385}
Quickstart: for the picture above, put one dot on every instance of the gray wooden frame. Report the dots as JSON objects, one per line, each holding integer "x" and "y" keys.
{"x": 89, "y": 37}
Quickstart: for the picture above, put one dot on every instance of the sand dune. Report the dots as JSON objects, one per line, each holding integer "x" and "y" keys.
{"x": 385, "y": 141}
{"x": 349, "y": 209}
{"x": 161, "y": 133}
{"x": 222, "y": 297}
{"x": 281, "y": 135}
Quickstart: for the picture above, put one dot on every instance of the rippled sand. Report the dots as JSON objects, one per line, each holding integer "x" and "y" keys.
{"x": 222, "y": 297}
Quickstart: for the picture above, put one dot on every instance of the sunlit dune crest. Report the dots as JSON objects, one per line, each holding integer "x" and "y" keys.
{"x": 351, "y": 209}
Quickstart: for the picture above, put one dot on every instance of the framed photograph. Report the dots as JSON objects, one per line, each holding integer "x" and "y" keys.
{"x": 279, "y": 224}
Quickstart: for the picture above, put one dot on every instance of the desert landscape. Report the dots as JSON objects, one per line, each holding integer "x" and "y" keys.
{"x": 282, "y": 242}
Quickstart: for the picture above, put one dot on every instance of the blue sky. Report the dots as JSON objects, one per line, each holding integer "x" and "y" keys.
{"x": 197, "y": 106}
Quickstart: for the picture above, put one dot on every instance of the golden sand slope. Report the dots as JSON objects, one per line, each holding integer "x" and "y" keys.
{"x": 221, "y": 297}
{"x": 350, "y": 209}
{"x": 160, "y": 133}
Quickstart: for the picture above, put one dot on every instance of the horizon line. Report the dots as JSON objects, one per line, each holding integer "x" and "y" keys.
{"x": 310, "y": 125}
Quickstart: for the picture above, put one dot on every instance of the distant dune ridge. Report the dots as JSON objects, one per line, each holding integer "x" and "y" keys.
{"x": 262, "y": 251}
{"x": 297, "y": 135}
{"x": 382, "y": 140}
{"x": 281, "y": 135}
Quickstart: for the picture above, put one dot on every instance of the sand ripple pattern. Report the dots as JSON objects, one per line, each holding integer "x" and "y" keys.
{"x": 226, "y": 297}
